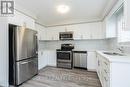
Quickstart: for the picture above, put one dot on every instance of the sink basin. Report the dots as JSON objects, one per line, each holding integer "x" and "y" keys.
{"x": 113, "y": 53}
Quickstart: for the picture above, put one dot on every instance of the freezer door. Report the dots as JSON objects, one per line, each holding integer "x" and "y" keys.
{"x": 26, "y": 69}
{"x": 25, "y": 40}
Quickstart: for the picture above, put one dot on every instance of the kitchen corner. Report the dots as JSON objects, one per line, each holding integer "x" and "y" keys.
{"x": 112, "y": 67}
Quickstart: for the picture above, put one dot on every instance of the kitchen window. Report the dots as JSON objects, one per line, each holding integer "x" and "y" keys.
{"x": 122, "y": 34}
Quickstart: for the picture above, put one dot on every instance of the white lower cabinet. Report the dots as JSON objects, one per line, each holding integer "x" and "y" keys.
{"x": 51, "y": 57}
{"x": 91, "y": 61}
{"x": 103, "y": 70}
{"x": 42, "y": 59}
{"x": 112, "y": 73}
{"x": 46, "y": 57}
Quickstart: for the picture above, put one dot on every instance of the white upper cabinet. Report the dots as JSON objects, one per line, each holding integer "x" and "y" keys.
{"x": 116, "y": 24}
{"x": 110, "y": 21}
{"x": 52, "y": 33}
{"x": 127, "y": 14}
{"x": 84, "y": 30}
{"x": 96, "y": 30}
{"x": 21, "y": 20}
{"x": 109, "y": 26}
{"x": 29, "y": 22}
{"x": 16, "y": 19}
{"x": 87, "y": 31}
{"x": 41, "y": 32}
{"x": 80, "y": 31}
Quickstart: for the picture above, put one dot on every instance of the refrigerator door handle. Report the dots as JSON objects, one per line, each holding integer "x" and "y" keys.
{"x": 14, "y": 55}
{"x": 36, "y": 45}
{"x": 25, "y": 62}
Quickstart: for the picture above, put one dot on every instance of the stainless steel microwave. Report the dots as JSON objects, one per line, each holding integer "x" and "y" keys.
{"x": 66, "y": 35}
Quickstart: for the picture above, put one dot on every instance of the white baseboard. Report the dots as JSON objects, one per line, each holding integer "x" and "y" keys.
{"x": 4, "y": 84}
{"x": 93, "y": 70}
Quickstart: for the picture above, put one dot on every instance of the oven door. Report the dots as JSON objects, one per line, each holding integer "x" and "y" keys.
{"x": 64, "y": 55}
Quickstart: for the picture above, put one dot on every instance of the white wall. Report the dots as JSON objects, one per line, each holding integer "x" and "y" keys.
{"x": 47, "y": 51}
{"x": 22, "y": 20}
{"x": 4, "y": 45}
{"x": 3, "y": 52}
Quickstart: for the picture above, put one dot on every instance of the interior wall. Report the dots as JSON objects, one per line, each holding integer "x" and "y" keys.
{"x": 89, "y": 45}
{"x": 3, "y": 52}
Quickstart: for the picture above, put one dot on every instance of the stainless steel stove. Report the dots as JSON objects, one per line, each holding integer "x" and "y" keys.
{"x": 64, "y": 56}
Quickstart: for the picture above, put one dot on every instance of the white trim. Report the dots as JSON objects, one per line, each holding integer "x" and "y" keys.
{"x": 40, "y": 24}
{"x": 75, "y": 23}
{"x": 94, "y": 70}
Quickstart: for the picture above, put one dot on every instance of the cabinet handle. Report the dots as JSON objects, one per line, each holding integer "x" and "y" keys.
{"x": 81, "y": 36}
{"x": 105, "y": 71}
{"x": 52, "y": 38}
{"x": 98, "y": 63}
{"x": 91, "y": 36}
{"x": 105, "y": 79}
{"x": 105, "y": 63}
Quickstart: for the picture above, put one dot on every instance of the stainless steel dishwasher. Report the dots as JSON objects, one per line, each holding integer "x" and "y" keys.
{"x": 80, "y": 59}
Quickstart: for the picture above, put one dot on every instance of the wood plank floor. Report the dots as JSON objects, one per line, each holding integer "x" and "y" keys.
{"x": 57, "y": 77}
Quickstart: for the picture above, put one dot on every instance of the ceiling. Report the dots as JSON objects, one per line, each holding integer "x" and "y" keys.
{"x": 80, "y": 10}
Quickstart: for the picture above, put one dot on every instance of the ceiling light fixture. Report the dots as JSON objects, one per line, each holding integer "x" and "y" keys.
{"x": 63, "y": 9}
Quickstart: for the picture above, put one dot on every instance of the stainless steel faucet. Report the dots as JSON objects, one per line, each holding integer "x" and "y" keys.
{"x": 121, "y": 49}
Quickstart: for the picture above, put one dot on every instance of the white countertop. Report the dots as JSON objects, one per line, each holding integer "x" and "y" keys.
{"x": 112, "y": 58}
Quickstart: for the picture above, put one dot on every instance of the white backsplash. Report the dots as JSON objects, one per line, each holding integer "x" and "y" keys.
{"x": 90, "y": 45}
{"x": 113, "y": 45}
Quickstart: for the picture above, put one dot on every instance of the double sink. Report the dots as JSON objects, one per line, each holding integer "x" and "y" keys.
{"x": 113, "y": 54}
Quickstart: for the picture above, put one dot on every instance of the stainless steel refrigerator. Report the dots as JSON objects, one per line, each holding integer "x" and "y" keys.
{"x": 23, "y": 56}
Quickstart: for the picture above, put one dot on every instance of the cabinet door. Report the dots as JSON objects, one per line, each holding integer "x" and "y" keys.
{"x": 96, "y": 30}
{"x": 127, "y": 14}
{"x": 53, "y": 32}
{"x": 21, "y": 19}
{"x": 77, "y": 35}
{"x": 30, "y": 23}
{"x": 98, "y": 64}
{"x": 41, "y": 32}
{"x": 91, "y": 61}
{"x": 81, "y": 31}
{"x": 51, "y": 58}
{"x": 42, "y": 59}
{"x": 85, "y": 31}
{"x": 16, "y": 19}
{"x": 49, "y": 34}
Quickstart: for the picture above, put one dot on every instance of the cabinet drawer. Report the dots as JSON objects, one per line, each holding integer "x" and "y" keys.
{"x": 106, "y": 65}
{"x": 106, "y": 81}
{"x": 106, "y": 73}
